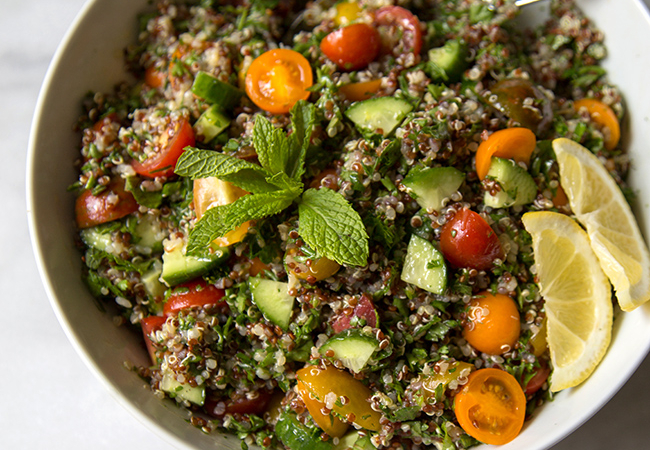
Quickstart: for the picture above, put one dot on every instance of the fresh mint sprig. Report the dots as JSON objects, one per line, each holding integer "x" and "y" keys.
{"x": 327, "y": 222}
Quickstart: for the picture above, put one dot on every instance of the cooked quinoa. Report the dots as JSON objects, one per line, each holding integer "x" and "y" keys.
{"x": 243, "y": 365}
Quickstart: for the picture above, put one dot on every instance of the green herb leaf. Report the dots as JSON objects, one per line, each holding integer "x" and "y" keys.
{"x": 196, "y": 163}
{"x": 303, "y": 116}
{"x": 145, "y": 198}
{"x": 218, "y": 221}
{"x": 281, "y": 154}
{"x": 329, "y": 225}
{"x": 271, "y": 145}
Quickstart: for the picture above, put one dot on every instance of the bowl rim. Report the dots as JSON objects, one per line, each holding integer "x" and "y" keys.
{"x": 565, "y": 428}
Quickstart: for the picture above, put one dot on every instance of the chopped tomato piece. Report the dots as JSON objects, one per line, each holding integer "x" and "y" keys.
{"x": 355, "y": 407}
{"x": 346, "y": 12}
{"x": 360, "y": 91}
{"x": 312, "y": 270}
{"x": 491, "y": 407}
{"x": 150, "y": 325}
{"x": 277, "y": 79}
{"x": 400, "y": 30}
{"x": 363, "y": 311}
{"x": 252, "y": 403}
{"x": 468, "y": 241}
{"x": 330, "y": 424}
{"x": 538, "y": 380}
{"x": 352, "y": 47}
{"x": 493, "y": 324}
{"x": 604, "y": 116}
{"x": 195, "y": 293}
{"x": 172, "y": 145}
{"x": 510, "y": 143}
{"x": 111, "y": 204}
{"x": 154, "y": 77}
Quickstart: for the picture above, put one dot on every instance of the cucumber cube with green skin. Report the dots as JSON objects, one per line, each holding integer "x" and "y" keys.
{"x": 297, "y": 436}
{"x": 152, "y": 285}
{"x": 430, "y": 186}
{"x": 211, "y": 123}
{"x": 449, "y": 61}
{"x": 194, "y": 394}
{"x": 99, "y": 237}
{"x": 517, "y": 186}
{"x": 148, "y": 234}
{"x": 216, "y": 92}
{"x": 273, "y": 299}
{"x": 178, "y": 267}
{"x": 352, "y": 347}
{"x": 424, "y": 266}
{"x": 378, "y": 115}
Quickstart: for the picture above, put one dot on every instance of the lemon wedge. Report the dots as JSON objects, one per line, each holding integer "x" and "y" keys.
{"x": 599, "y": 205}
{"x": 577, "y": 296}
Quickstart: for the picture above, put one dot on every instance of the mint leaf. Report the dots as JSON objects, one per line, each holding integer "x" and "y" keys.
{"x": 279, "y": 153}
{"x": 271, "y": 145}
{"x": 282, "y": 181}
{"x": 196, "y": 163}
{"x": 329, "y": 225}
{"x": 218, "y": 221}
{"x": 303, "y": 116}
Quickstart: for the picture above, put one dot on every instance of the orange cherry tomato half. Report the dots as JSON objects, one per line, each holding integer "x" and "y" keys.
{"x": 277, "y": 79}
{"x": 195, "y": 293}
{"x": 111, "y": 204}
{"x": 149, "y": 325}
{"x": 400, "y": 30}
{"x": 329, "y": 423}
{"x": 491, "y": 407}
{"x": 510, "y": 143}
{"x": 154, "y": 77}
{"x": 493, "y": 324}
{"x": 172, "y": 144}
{"x": 604, "y": 116}
{"x": 467, "y": 240}
{"x": 352, "y": 47}
{"x": 322, "y": 382}
{"x": 360, "y": 91}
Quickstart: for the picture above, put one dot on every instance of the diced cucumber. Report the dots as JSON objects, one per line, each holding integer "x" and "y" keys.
{"x": 517, "y": 186}
{"x": 178, "y": 267}
{"x": 352, "y": 347}
{"x": 152, "y": 285}
{"x": 148, "y": 234}
{"x": 424, "y": 266}
{"x": 273, "y": 299}
{"x": 212, "y": 122}
{"x": 449, "y": 61}
{"x": 194, "y": 394}
{"x": 296, "y": 436}
{"x": 429, "y": 186}
{"x": 378, "y": 115}
{"x": 99, "y": 237}
{"x": 215, "y": 91}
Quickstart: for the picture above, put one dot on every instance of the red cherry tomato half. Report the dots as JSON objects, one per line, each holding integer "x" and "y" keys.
{"x": 173, "y": 143}
{"x": 468, "y": 241}
{"x": 352, "y": 47}
{"x": 491, "y": 407}
{"x": 364, "y": 310}
{"x": 400, "y": 30}
{"x": 149, "y": 325}
{"x": 538, "y": 380}
{"x": 111, "y": 204}
{"x": 191, "y": 294}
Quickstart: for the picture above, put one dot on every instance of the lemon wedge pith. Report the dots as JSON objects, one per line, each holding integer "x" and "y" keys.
{"x": 599, "y": 205}
{"x": 577, "y": 297}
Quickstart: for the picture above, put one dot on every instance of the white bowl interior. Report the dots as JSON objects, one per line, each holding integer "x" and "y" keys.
{"x": 91, "y": 58}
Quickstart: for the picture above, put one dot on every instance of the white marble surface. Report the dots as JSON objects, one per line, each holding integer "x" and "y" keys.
{"x": 49, "y": 399}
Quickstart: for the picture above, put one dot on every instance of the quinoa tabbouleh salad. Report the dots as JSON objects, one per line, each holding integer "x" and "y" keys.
{"x": 313, "y": 212}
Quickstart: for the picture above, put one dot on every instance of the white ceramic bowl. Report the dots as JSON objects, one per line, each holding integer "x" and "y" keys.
{"x": 90, "y": 58}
